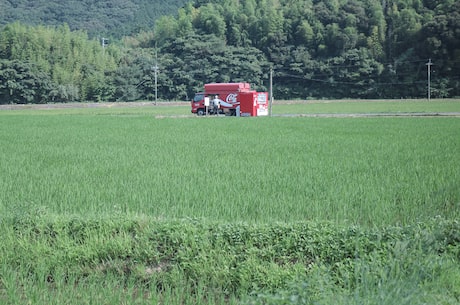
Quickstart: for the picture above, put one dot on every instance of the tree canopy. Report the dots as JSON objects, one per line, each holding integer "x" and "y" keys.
{"x": 43, "y": 64}
{"x": 317, "y": 48}
{"x": 330, "y": 48}
{"x": 113, "y": 18}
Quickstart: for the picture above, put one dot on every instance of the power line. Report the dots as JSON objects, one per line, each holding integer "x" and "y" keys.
{"x": 330, "y": 65}
{"x": 332, "y": 81}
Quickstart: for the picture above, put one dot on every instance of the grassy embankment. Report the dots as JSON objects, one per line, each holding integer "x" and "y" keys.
{"x": 113, "y": 206}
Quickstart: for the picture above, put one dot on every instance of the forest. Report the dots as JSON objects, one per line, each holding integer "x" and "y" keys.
{"x": 114, "y": 18}
{"x": 360, "y": 49}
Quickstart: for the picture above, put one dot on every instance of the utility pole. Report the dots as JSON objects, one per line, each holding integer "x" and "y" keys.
{"x": 271, "y": 92}
{"x": 104, "y": 42}
{"x": 428, "y": 65}
{"x": 155, "y": 69}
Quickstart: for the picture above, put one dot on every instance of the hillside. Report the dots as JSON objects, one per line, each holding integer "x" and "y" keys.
{"x": 317, "y": 49}
{"x": 350, "y": 48}
{"x": 113, "y": 18}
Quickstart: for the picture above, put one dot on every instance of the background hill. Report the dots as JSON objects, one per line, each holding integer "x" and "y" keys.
{"x": 113, "y": 18}
{"x": 316, "y": 48}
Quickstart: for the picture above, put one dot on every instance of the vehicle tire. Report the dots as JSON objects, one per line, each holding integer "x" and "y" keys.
{"x": 200, "y": 112}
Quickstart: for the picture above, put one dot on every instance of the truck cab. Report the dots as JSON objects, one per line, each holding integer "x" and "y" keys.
{"x": 198, "y": 104}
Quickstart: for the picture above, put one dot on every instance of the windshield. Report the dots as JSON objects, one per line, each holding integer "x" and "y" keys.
{"x": 198, "y": 97}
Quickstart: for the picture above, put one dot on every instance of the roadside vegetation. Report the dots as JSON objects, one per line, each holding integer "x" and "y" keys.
{"x": 110, "y": 205}
{"x": 50, "y": 259}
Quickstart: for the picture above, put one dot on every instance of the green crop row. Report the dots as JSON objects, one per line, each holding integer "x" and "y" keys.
{"x": 221, "y": 260}
{"x": 367, "y": 106}
{"x": 371, "y": 172}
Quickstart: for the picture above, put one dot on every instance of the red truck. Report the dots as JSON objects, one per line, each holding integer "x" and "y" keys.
{"x": 235, "y": 99}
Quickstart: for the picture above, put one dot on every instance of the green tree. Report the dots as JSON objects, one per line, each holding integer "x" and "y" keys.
{"x": 76, "y": 65}
{"x": 187, "y": 64}
{"x": 166, "y": 28}
{"x": 113, "y": 18}
{"x": 441, "y": 41}
{"x": 20, "y": 83}
{"x": 210, "y": 21}
{"x": 304, "y": 34}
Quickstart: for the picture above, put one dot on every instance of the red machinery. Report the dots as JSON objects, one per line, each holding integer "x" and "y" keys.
{"x": 235, "y": 99}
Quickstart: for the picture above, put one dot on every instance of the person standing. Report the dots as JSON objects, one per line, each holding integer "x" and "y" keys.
{"x": 216, "y": 104}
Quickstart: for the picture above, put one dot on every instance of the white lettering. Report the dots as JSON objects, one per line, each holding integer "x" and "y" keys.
{"x": 231, "y": 98}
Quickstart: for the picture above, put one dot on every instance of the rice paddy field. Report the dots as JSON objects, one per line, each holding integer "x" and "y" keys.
{"x": 350, "y": 202}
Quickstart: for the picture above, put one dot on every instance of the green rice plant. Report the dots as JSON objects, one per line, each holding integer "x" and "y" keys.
{"x": 128, "y": 208}
{"x": 365, "y": 171}
{"x": 160, "y": 110}
{"x": 382, "y": 107}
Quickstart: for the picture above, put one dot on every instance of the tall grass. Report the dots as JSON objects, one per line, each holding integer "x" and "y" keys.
{"x": 45, "y": 259}
{"x": 364, "y": 171}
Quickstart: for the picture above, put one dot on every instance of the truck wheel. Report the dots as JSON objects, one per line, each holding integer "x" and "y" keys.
{"x": 200, "y": 112}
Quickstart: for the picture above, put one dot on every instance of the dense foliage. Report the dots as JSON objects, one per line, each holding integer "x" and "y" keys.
{"x": 332, "y": 49}
{"x": 364, "y": 49}
{"x": 42, "y": 64}
{"x": 113, "y": 18}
